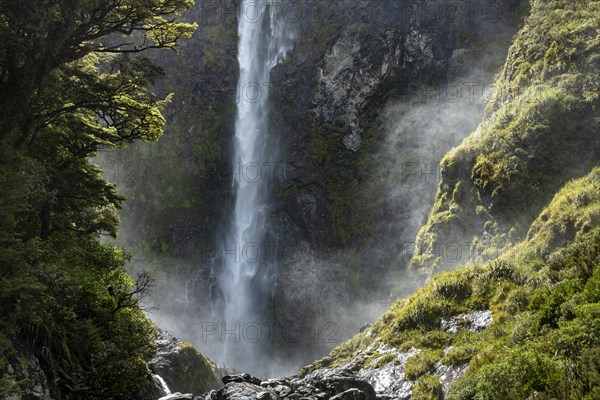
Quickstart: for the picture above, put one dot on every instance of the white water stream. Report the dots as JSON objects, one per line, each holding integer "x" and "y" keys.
{"x": 249, "y": 266}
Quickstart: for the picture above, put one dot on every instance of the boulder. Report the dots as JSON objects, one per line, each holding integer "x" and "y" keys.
{"x": 351, "y": 394}
{"x": 182, "y": 368}
{"x": 177, "y": 396}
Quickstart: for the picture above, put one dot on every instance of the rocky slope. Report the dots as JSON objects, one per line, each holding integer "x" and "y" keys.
{"x": 524, "y": 324}
{"x": 541, "y": 129}
{"x": 529, "y": 317}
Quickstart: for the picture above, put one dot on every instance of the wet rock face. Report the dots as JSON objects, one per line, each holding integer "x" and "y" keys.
{"x": 388, "y": 380}
{"x": 357, "y": 69}
{"x": 473, "y": 321}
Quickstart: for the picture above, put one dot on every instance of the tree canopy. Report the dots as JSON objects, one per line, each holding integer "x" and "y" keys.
{"x": 71, "y": 86}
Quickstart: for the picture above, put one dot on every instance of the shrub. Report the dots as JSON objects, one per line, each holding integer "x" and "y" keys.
{"x": 428, "y": 387}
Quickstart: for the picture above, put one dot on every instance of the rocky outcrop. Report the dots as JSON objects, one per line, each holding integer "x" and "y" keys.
{"x": 471, "y": 319}
{"x": 23, "y": 378}
{"x": 539, "y": 131}
{"x": 179, "y": 367}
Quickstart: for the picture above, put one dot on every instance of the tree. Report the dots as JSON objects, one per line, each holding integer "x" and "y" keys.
{"x": 39, "y": 37}
{"x": 71, "y": 84}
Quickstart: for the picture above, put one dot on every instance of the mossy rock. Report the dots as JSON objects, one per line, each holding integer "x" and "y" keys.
{"x": 189, "y": 371}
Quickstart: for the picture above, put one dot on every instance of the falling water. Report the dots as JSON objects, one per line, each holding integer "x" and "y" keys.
{"x": 249, "y": 267}
{"x": 161, "y": 384}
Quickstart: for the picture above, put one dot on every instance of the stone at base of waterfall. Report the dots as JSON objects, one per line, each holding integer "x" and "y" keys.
{"x": 338, "y": 384}
{"x": 242, "y": 391}
{"x": 241, "y": 379}
{"x": 351, "y": 394}
{"x": 334, "y": 382}
{"x": 178, "y": 396}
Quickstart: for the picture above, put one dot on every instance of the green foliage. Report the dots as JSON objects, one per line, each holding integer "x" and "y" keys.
{"x": 67, "y": 304}
{"x": 70, "y": 87}
{"x": 421, "y": 363}
{"x": 515, "y": 376}
{"x": 544, "y": 296}
{"x": 428, "y": 387}
{"x": 453, "y": 286}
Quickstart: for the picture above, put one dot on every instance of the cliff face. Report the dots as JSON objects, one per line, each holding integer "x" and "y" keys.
{"x": 368, "y": 101}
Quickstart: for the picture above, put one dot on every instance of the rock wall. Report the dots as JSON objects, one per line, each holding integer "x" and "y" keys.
{"x": 362, "y": 106}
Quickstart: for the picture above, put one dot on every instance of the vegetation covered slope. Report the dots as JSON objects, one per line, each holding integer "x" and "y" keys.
{"x": 71, "y": 85}
{"x": 523, "y": 189}
{"x": 540, "y": 130}
{"x": 544, "y": 295}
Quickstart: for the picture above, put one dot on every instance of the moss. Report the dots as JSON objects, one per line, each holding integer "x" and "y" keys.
{"x": 539, "y": 131}
{"x": 195, "y": 373}
{"x": 428, "y": 387}
{"x": 421, "y": 363}
{"x": 543, "y": 294}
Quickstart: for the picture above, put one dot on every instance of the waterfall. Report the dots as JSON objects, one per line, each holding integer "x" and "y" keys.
{"x": 248, "y": 263}
{"x": 161, "y": 384}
